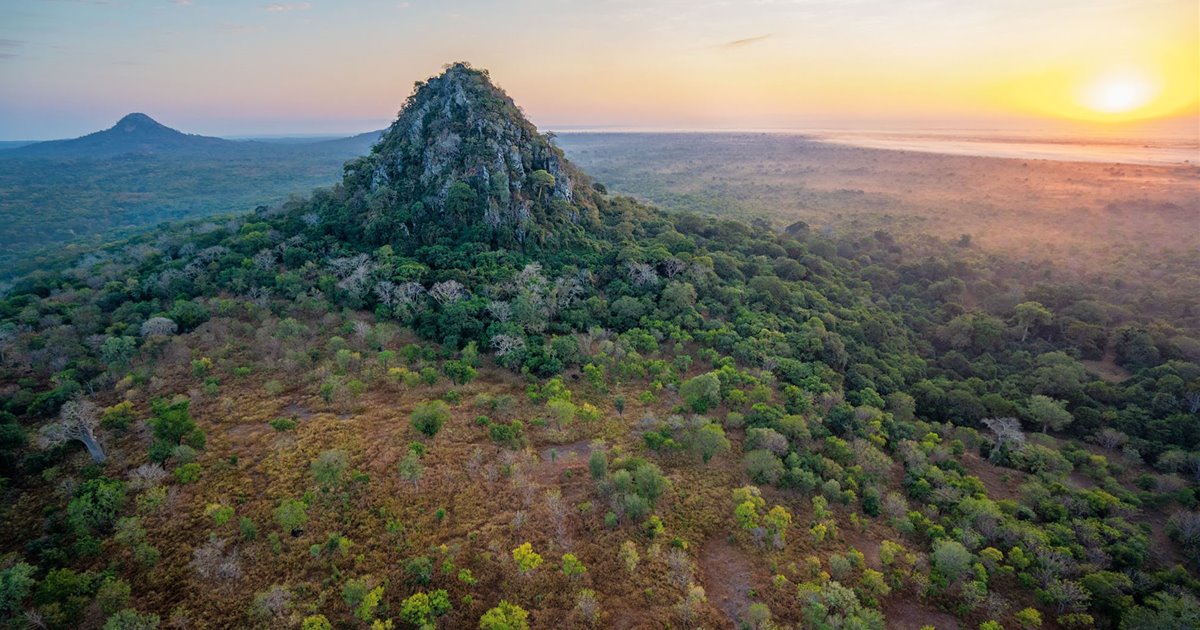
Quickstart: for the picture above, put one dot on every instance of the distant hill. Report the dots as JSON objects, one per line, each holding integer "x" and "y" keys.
{"x": 135, "y": 133}
{"x": 358, "y": 145}
{"x": 56, "y": 195}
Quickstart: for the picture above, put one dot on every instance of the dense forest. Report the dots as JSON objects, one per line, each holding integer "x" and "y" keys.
{"x": 467, "y": 387}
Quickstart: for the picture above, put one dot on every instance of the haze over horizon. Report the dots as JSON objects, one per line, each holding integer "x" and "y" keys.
{"x": 243, "y": 69}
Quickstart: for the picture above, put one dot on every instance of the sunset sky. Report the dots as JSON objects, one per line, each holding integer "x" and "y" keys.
{"x": 223, "y": 67}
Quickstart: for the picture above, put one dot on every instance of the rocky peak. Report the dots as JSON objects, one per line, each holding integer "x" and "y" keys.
{"x": 461, "y": 155}
{"x": 139, "y": 123}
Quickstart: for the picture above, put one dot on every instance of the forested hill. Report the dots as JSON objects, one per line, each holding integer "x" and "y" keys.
{"x": 134, "y": 133}
{"x": 468, "y": 388}
{"x": 63, "y": 197}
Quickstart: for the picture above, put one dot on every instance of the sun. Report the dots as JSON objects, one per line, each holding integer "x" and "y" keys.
{"x": 1119, "y": 92}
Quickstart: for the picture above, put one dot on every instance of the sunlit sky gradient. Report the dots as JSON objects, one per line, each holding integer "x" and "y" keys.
{"x": 232, "y": 68}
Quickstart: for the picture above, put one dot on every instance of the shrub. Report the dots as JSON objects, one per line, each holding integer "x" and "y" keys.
{"x": 113, "y": 595}
{"x": 316, "y": 622}
{"x": 629, "y": 555}
{"x": 1029, "y": 618}
{"x": 220, "y": 514}
{"x": 188, "y": 473}
{"x": 247, "y": 528}
{"x": 571, "y": 566}
{"x": 428, "y": 417}
{"x": 283, "y": 424}
{"x": 526, "y": 558}
{"x": 369, "y": 604}
{"x": 419, "y": 569}
{"x": 511, "y": 435}
{"x": 329, "y": 468}
{"x": 130, "y": 619}
{"x": 291, "y": 515}
{"x": 504, "y": 616}
{"x": 420, "y": 609}
{"x": 118, "y": 417}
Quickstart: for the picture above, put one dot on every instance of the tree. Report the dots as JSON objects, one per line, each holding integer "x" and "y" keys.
{"x": 701, "y": 393}
{"x": 1049, "y": 413}
{"x": 648, "y": 481}
{"x": 460, "y": 199}
{"x": 171, "y": 424}
{"x": 951, "y": 559}
{"x": 763, "y": 466}
{"x": 777, "y": 521}
{"x": 504, "y": 616}
{"x": 1009, "y": 436}
{"x": 15, "y": 583}
{"x": 1164, "y": 611}
{"x": 1030, "y": 314}
{"x": 526, "y": 558}
{"x": 598, "y": 464}
{"x": 460, "y": 371}
{"x": 541, "y": 180}
{"x": 118, "y": 352}
{"x": 96, "y": 504}
{"x": 709, "y": 440}
{"x": 77, "y": 421}
{"x": 158, "y": 327}
{"x": 428, "y": 417}
{"x": 1135, "y": 348}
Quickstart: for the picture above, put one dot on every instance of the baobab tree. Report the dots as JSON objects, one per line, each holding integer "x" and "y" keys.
{"x": 76, "y": 421}
{"x": 1008, "y": 432}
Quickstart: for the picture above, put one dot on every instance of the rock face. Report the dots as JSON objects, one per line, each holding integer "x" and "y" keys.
{"x": 461, "y": 157}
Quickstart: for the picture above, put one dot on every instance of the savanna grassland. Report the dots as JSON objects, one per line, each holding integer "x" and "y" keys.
{"x": 1100, "y": 222}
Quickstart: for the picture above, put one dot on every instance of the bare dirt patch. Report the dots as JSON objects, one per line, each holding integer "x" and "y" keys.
{"x": 906, "y": 614}
{"x": 1106, "y": 368}
{"x": 296, "y": 410}
{"x": 555, "y": 460}
{"x": 1000, "y": 482}
{"x": 1080, "y": 481}
{"x": 727, "y": 578}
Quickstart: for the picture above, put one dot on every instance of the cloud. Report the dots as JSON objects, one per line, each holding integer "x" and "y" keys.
{"x": 6, "y": 55}
{"x": 11, "y": 43}
{"x": 742, "y": 43}
{"x": 279, "y": 7}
